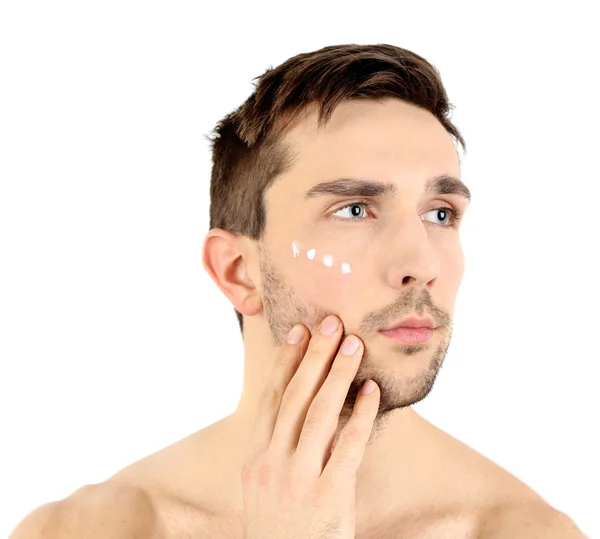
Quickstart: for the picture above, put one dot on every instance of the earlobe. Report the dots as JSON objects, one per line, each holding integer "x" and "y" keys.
{"x": 225, "y": 260}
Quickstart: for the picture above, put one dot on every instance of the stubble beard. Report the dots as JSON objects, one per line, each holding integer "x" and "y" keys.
{"x": 283, "y": 308}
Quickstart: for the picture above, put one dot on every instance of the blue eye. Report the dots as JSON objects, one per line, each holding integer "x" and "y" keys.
{"x": 352, "y": 207}
{"x": 449, "y": 214}
{"x": 353, "y": 211}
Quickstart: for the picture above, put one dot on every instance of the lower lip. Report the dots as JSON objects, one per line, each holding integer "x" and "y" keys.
{"x": 409, "y": 335}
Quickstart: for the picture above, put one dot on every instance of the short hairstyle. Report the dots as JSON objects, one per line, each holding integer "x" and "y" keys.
{"x": 247, "y": 149}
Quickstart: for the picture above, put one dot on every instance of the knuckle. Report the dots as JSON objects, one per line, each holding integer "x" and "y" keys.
{"x": 318, "y": 410}
{"x": 312, "y": 421}
{"x": 291, "y": 395}
{"x": 265, "y": 474}
{"x": 320, "y": 346}
{"x": 336, "y": 385}
{"x": 341, "y": 370}
{"x": 319, "y": 416}
{"x": 247, "y": 471}
{"x": 352, "y": 435}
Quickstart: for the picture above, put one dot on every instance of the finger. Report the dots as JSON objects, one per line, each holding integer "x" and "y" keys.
{"x": 304, "y": 385}
{"x": 352, "y": 442}
{"x": 288, "y": 359}
{"x": 323, "y": 415}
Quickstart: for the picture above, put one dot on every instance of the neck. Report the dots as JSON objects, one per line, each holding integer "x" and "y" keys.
{"x": 401, "y": 462}
{"x": 396, "y": 470}
{"x": 396, "y": 449}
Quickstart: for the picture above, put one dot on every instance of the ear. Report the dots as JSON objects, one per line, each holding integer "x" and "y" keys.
{"x": 225, "y": 258}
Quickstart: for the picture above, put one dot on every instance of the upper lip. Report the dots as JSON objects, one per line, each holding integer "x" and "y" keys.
{"x": 412, "y": 322}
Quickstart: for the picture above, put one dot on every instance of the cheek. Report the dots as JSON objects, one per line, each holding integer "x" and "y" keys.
{"x": 324, "y": 257}
{"x": 322, "y": 271}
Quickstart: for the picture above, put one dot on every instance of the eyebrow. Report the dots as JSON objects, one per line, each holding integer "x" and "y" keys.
{"x": 348, "y": 187}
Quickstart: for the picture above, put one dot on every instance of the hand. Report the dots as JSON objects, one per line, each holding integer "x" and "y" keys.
{"x": 295, "y": 486}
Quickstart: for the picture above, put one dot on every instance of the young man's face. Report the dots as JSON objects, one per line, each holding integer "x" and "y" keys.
{"x": 372, "y": 265}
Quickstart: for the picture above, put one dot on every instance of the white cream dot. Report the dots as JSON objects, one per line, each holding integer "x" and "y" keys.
{"x": 345, "y": 268}
{"x": 328, "y": 260}
{"x": 296, "y": 248}
{"x": 311, "y": 254}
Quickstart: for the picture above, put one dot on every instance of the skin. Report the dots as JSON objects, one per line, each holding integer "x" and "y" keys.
{"x": 422, "y": 275}
{"x": 405, "y": 260}
{"x": 387, "y": 142}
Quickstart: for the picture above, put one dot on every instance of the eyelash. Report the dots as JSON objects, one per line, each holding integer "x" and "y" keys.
{"x": 455, "y": 213}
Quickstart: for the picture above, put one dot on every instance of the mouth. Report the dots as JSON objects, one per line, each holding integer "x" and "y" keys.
{"x": 409, "y": 335}
{"x": 410, "y": 330}
{"x": 412, "y": 322}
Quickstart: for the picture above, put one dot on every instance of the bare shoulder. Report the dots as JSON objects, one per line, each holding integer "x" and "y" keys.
{"x": 529, "y": 520}
{"x": 103, "y": 510}
{"x": 507, "y": 506}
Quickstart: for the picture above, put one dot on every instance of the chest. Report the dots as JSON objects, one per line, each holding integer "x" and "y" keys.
{"x": 423, "y": 526}
{"x": 190, "y": 523}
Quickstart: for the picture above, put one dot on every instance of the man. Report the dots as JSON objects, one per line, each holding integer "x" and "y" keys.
{"x": 336, "y": 204}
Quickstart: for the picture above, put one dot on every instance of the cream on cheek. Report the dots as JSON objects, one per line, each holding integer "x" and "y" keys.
{"x": 327, "y": 259}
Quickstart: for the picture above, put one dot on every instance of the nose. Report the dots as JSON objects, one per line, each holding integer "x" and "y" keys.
{"x": 412, "y": 260}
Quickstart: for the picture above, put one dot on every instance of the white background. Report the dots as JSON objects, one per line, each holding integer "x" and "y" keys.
{"x": 114, "y": 342}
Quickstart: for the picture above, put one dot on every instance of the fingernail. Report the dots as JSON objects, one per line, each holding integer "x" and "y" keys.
{"x": 329, "y": 325}
{"x": 350, "y": 345}
{"x": 295, "y": 335}
{"x": 368, "y": 388}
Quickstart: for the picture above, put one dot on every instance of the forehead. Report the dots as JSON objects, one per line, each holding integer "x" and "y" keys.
{"x": 378, "y": 139}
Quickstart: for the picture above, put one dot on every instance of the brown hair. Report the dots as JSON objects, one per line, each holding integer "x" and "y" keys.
{"x": 246, "y": 145}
